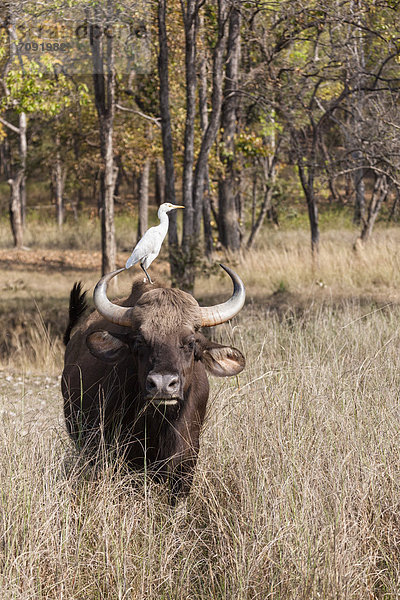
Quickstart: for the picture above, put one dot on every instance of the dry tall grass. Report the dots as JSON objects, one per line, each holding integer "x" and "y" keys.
{"x": 296, "y": 495}
{"x": 83, "y": 234}
{"x": 297, "y": 490}
{"x": 282, "y": 262}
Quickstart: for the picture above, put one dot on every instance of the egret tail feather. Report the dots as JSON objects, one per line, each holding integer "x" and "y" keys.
{"x": 130, "y": 262}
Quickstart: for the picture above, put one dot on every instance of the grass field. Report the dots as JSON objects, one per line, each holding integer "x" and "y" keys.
{"x": 297, "y": 490}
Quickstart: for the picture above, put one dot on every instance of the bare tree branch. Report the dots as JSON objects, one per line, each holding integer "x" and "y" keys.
{"x": 155, "y": 120}
{"x": 9, "y": 125}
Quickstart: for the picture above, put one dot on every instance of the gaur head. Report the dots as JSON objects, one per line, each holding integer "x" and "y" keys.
{"x": 160, "y": 334}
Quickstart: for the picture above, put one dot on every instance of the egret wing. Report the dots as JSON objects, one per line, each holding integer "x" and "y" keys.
{"x": 145, "y": 246}
{"x": 148, "y": 260}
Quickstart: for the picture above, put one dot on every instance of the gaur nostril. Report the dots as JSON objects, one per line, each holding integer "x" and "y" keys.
{"x": 153, "y": 383}
{"x": 162, "y": 385}
{"x": 173, "y": 384}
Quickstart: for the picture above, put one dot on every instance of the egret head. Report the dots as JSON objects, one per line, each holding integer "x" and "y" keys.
{"x": 167, "y": 207}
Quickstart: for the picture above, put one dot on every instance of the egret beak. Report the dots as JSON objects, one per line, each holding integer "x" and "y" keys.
{"x": 178, "y": 206}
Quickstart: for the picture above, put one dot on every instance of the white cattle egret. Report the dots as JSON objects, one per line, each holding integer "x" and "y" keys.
{"x": 149, "y": 246}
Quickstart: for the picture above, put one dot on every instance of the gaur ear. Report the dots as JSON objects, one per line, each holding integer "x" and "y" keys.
{"x": 105, "y": 346}
{"x": 222, "y": 361}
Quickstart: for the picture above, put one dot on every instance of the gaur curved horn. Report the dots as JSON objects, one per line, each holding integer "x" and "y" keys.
{"x": 215, "y": 315}
{"x": 120, "y": 315}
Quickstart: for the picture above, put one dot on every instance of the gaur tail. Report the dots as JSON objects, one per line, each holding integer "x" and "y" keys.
{"x": 77, "y": 306}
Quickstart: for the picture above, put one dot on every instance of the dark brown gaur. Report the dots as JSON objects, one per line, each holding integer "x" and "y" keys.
{"x": 135, "y": 374}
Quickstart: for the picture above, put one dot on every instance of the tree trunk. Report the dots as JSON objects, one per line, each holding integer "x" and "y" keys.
{"x": 135, "y": 186}
{"x": 379, "y": 195}
{"x": 211, "y": 131}
{"x": 253, "y": 202}
{"x": 359, "y": 204}
{"x": 77, "y": 202}
{"x": 104, "y": 89}
{"x": 182, "y": 260}
{"x": 395, "y": 206}
{"x": 335, "y": 196}
{"x": 18, "y": 197}
{"x": 144, "y": 199}
{"x": 17, "y": 186}
{"x": 307, "y": 182}
{"x": 23, "y": 151}
{"x": 59, "y": 180}
{"x": 15, "y": 209}
{"x": 314, "y": 225}
{"x": 356, "y": 62}
{"x": 160, "y": 182}
{"x": 190, "y": 20}
{"x": 258, "y": 223}
{"x": 166, "y": 134}
{"x": 229, "y": 231}
{"x": 269, "y": 172}
{"x": 203, "y": 113}
{"x": 208, "y": 233}
{"x": 109, "y": 248}
{"x": 207, "y": 141}
{"x": 5, "y": 159}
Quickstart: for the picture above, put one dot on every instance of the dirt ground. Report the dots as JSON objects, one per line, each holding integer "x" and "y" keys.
{"x": 38, "y": 282}
{"x": 39, "y": 260}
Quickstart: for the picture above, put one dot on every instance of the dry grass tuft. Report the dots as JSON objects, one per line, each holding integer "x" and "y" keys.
{"x": 28, "y": 345}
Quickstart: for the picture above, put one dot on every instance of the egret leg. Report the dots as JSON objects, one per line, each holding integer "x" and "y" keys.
{"x": 147, "y": 275}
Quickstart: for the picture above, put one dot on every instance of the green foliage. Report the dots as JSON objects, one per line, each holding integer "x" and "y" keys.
{"x": 251, "y": 145}
{"x": 32, "y": 90}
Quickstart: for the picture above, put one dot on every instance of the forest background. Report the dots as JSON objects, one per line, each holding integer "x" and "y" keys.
{"x": 251, "y": 114}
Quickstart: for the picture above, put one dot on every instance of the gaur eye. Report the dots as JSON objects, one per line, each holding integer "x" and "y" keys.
{"x": 189, "y": 345}
{"x": 139, "y": 344}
